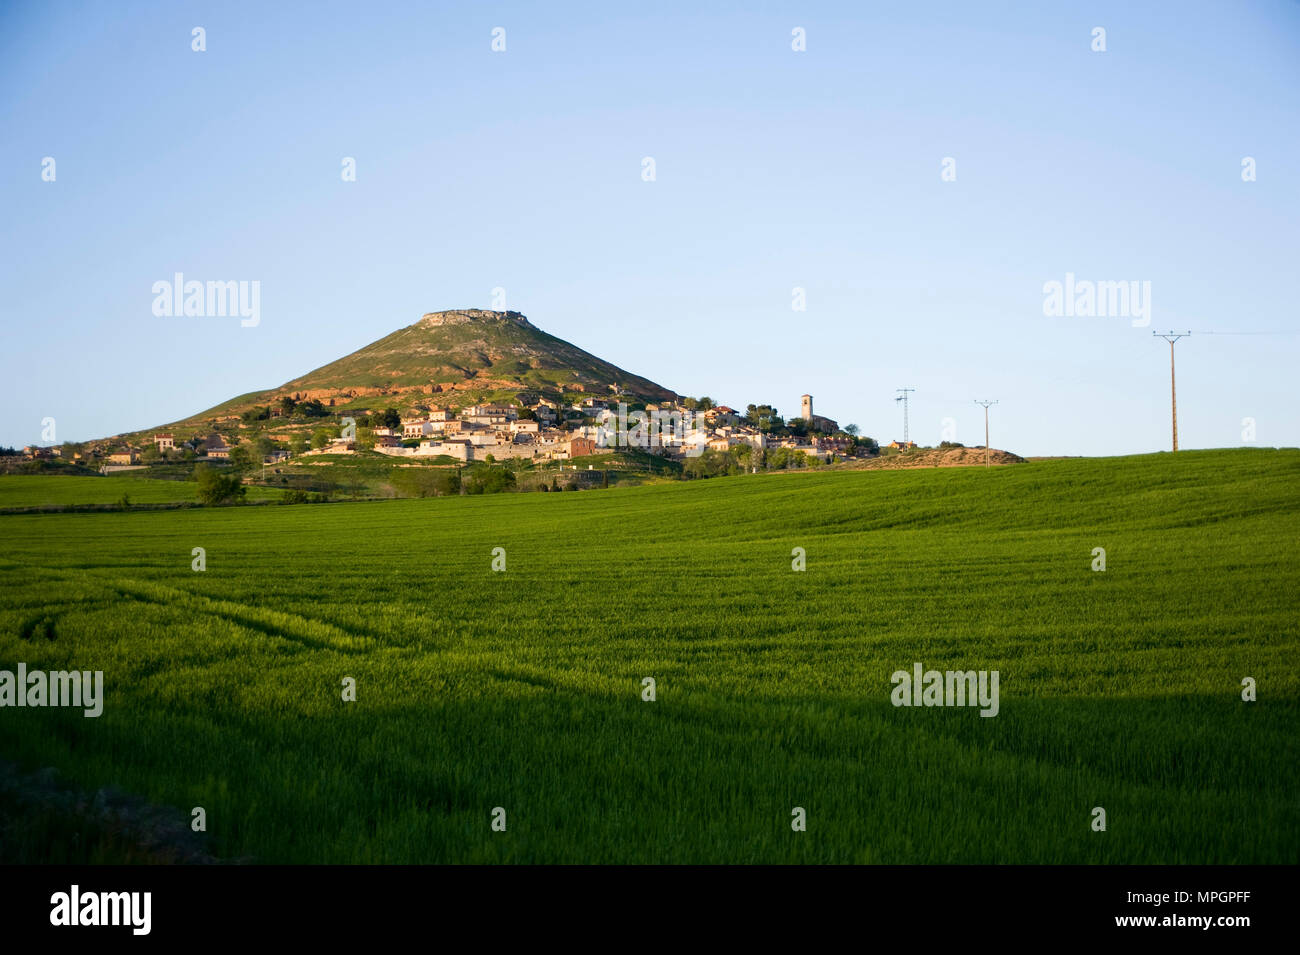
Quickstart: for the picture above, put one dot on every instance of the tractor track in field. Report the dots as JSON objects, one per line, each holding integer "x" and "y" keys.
{"x": 308, "y": 631}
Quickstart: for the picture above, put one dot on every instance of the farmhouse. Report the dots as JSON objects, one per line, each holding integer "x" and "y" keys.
{"x": 460, "y": 450}
{"x": 215, "y": 447}
{"x": 503, "y": 412}
{"x": 415, "y": 427}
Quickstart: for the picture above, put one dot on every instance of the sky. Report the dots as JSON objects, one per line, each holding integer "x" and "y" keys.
{"x": 775, "y": 169}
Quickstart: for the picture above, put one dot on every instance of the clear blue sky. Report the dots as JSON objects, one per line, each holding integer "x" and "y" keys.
{"x": 775, "y": 169}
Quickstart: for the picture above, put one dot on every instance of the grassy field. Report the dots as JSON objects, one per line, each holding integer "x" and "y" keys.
{"x": 522, "y": 689}
{"x": 44, "y": 491}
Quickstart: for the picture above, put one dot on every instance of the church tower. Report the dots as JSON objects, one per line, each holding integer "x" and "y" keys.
{"x": 807, "y": 411}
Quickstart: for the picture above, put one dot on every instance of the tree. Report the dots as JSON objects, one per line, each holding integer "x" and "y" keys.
{"x": 218, "y": 488}
{"x": 489, "y": 481}
{"x": 764, "y": 417}
{"x": 709, "y": 464}
{"x": 287, "y": 404}
{"x": 391, "y": 418}
{"x": 241, "y": 458}
{"x": 704, "y": 404}
{"x": 851, "y": 430}
{"x": 320, "y": 439}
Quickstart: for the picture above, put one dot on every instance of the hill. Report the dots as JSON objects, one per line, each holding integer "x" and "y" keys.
{"x": 473, "y": 351}
{"x": 933, "y": 458}
{"x": 458, "y": 357}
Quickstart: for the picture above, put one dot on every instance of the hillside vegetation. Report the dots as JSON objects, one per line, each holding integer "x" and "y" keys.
{"x": 522, "y": 689}
{"x": 458, "y": 356}
{"x": 503, "y": 349}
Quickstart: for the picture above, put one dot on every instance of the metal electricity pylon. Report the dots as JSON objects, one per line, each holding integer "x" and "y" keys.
{"x": 902, "y": 396}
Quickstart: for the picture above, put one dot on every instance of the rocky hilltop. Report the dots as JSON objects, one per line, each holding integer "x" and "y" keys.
{"x": 471, "y": 350}
{"x": 464, "y": 316}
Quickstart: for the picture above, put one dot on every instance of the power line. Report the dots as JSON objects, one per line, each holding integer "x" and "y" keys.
{"x": 1247, "y": 333}
{"x": 902, "y": 396}
{"x": 1172, "y": 337}
{"x": 986, "y": 427}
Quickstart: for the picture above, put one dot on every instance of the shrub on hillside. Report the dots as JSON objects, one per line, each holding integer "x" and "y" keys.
{"x": 218, "y": 488}
{"x": 424, "y": 482}
{"x": 489, "y": 481}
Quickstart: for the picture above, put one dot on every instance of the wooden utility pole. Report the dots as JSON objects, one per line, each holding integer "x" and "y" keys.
{"x": 986, "y": 428}
{"x": 1172, "y": 337}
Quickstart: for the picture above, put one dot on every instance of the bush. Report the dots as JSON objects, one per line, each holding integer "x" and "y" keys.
{"x": 710, "y": 464}
{"x": 425, "y": 482}
{"x": 218, "y": 488}
{"x": 489, "y": 481}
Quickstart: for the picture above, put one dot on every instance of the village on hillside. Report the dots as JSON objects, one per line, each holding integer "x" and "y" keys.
{"x": 530, "y": 428}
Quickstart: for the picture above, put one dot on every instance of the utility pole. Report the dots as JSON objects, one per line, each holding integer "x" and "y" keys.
{"x": 902, "y": 396}
{"x": 1172, "y": 337}
{"x": 986, "y": 428}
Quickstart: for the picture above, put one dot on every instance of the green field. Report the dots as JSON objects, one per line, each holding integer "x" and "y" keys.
{"x": 522, "y": 689}
{"x": 40, "y": 491}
